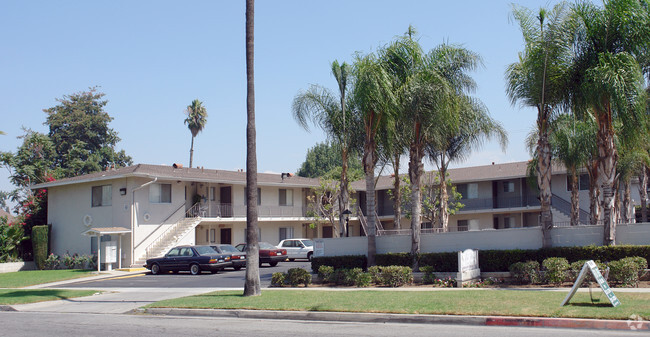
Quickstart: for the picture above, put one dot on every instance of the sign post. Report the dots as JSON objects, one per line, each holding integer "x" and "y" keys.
{"x": 591, "y": 266}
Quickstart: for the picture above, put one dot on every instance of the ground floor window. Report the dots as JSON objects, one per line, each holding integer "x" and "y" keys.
{"x": 463, "y": 225}
{"x": 286, "y": 233}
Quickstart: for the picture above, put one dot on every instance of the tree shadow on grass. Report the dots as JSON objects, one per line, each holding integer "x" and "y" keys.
{"x": 14, "y": 297}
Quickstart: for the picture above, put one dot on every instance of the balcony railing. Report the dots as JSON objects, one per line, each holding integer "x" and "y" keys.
{"x": 500, "y": 202}
{"x": 239, "y": 211}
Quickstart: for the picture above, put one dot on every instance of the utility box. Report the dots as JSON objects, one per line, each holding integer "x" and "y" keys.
{"x": 109, "y": 252}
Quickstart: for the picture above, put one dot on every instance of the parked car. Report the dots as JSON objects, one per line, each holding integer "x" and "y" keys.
{"x": 237, "y": 258}
{"x": 298, "y": 248}
{"x": 268, "y": 253}
{"x": 189, "y": 258}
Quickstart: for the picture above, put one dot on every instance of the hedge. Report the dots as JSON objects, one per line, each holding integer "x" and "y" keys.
{"x": 489, "y": 260}
{"x": 40, "y": 241}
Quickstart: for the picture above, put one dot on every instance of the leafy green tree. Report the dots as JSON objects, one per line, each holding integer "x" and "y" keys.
{"x": 197, "y": 116}
{"x": 82, "y": 138}
{"x": 323, "y": 158}
{"x": 252, "y": 283}
{"x": 540, "y": 80}
{"x": 611, "y": 46}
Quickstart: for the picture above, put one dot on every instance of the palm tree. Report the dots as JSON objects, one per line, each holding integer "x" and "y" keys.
{"x": 609, "y": 82}
{"x": 373, "y": 97}
{"x": 252, "y": 283}
{"x": 570, "y": 140}
{"x": 196, "y": 119}
{"x": 539, "y": 80}
{"x": 319, "y": 105}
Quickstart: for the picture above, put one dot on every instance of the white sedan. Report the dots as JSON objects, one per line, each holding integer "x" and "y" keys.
{"x": 298, "y": 248}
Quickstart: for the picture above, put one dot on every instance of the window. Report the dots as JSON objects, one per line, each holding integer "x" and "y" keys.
{"x": 286, "y": 233}
{"x": 427, "y": 225}
{"x": 259, "y": 196}
{"x": 160, "y": 193}
{"x": 462, "y": 225}
{"x": 508, "y": 222}
{"x": 508, "y": 186}
{"x": 213, "y": 235}
{"x": 286, "y": 197}
{"x": 468, "y": 191}
{"x": 583, "y": 182}
{"x": 102, "y": 195}
{"x": 212, "y": 192}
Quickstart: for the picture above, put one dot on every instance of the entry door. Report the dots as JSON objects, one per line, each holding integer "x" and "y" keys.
{"x": 226, "y": 237}
{"x": 327, "y": 232}
{"x": 225, "y": 197}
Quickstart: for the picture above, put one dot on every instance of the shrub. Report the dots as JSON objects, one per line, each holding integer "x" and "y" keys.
{"x": 278, "y": 279}
{"x": 393, "y": 259}
{"x": 440, "y": 261}
{"x": 396, "y": 276}
{"x": 525, "y": 272}
{"x": 576, "y": 267}
{"x": 40, "y": 245}
{"x": 445, "y": 282}
{"x": 296, "y": 276}
{"x": 626, "y": 271}
{"x": 555, "y": 270}
{"x": 68, "y": 261}
{"x": 363, "y": 280}
{"x": 339, "y": 262}
{"x": 325, "y": 272}
{"x": 375, "y": 274}
{"x": 428, "y": 276}
{"x": 52, "y": 262}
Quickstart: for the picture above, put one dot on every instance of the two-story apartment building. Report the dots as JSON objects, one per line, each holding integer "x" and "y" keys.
{"x": 143, "y": 210}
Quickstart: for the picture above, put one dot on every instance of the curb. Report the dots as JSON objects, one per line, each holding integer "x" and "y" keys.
{"x": 406, "y": 318}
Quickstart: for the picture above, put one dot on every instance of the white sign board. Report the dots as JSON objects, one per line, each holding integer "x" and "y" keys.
{"x": 468, "y": 268}
{"x": 109, "y": 251}
{"x": 591, "y": 266}
{"x": 319, "y": 247}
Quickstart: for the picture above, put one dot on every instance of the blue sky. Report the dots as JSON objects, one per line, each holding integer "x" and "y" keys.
{"x": 152, "y": 58}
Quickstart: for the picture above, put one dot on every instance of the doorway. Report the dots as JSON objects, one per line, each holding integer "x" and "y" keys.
{"x": 226, "y": 236}
{"x": 225, "y": 200}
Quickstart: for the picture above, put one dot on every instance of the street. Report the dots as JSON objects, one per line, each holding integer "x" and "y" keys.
{"x": 224, "y": 279}
{"x": 81, "y": 324}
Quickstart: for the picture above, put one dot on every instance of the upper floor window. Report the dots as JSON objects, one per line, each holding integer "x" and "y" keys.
{"x": 212, "y": 193}
{"x": 160, "y": 193}
{"x": 508, "y": 186}
{"x": 286, "y": 197}
{"x": 583, "y": 182}
{"x": 102, "y": 196}
{"x": 468, "y": 191}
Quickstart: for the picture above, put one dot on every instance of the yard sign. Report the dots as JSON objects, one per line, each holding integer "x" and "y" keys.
{"x": 590, "y": 265}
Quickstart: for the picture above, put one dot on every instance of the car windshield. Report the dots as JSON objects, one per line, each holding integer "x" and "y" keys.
{"x": 229, "y": 249}
{"x": 266, "y": 245}
{"x": 205, "y": 250}
{"x": 307, "y": 243}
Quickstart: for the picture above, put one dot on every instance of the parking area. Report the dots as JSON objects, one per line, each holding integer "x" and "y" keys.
{"x": 224, "y": 279}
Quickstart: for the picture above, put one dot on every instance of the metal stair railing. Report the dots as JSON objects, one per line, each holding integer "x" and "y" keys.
{"x": 190, "y": 220}
{"x": 564, "y": 207}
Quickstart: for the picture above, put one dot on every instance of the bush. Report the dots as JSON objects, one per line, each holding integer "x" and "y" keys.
{"x": 296, "y": 276}
{"x": 40, "y": 236}
{"x": 396, "y": 276}
{"x": 428, "y": 277}
{"x": 393, "y": 259}
{"x": 52, "y": 262}
{"x": 525, "y": 272}
{"x": 325, "y": 272}
{"x": 339, "y": 262}
{"x": 576, "y": 267}
{"x": 277, "y": 279}
{"x": 626, "y": 271}
{"x": 68, "y": 261}
{"x": 555, "y": 270}
{"x": 363, "y": 280}
{"x": 375, "y": 274}
{"x": 445, "y": 283}
{"x": 440, "y": 261}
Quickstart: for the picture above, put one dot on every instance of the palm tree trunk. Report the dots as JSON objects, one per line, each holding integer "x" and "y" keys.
{"x": 544, "y": 183}
{"x": 397, "y": 202}
{"x": 344, "y": 197}
{"x": 444, "y": 198}
{"x": 369, "y": 160}
{"x": 607, "y": 159}
{"x": 628, "y": 215}
{"x": 416, "y": 167}
{"x": 643, "y": 193}
{"x": 252, "y": 283}
{"x": 191, "y": 151}
{"x": 575, "y": 198}
{"x": 594, "y": 192}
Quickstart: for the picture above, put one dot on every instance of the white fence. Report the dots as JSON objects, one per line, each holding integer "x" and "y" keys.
{"x": 515, "y": 238}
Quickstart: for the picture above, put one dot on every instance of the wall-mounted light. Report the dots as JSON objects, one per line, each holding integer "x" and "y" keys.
{"x": 123, "y": 191}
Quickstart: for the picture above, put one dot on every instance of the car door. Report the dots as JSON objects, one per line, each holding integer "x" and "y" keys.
{"x": 290, "y": 246}
{"x": 184, "y": 258}
{"x": 169, "y": 261}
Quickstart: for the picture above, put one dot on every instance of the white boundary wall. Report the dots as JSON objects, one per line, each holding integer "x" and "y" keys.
{"x": 515, "y": 238}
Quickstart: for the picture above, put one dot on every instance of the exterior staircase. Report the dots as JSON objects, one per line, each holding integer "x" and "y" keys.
{"x": 379, "y": 228}
{"x": 169, "y": 238}
{"x": 562, "y": 208}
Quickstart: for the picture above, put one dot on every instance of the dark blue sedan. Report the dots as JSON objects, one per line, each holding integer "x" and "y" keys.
{"x": 194, "y": 259}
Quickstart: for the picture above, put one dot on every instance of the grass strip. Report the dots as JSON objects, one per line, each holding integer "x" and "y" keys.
{"x": 481, "y": 302}
{"x": 26, "y": 278}
{"x": 22, "y": 296}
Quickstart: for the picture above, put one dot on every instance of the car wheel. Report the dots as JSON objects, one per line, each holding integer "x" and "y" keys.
{"x": 309, "y": 256}
{"x": 236, "y": 268}
{"x": 155, "y": 269}
{"x": 195, "y": 269}
{"x": 273, "y": 264}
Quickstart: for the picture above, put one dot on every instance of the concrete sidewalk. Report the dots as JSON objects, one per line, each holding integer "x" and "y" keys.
{"x": 130, "y": 300}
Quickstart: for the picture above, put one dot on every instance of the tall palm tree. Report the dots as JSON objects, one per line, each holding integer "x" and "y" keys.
{"x": 609, "y": 81}
{"x": 570, "y": 140}
{"x": 252, "y": 283}
{"x": 539, "y": 79}
{"x": 373, "y": 97}
{"x": 196, "y": 118}
{"x": 320, "y": 105}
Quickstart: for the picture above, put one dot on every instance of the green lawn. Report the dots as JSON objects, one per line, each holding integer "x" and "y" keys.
{"x": 21, "y": 296}
{"x": 462, "y": 302}
{"x": 26, "y": 278}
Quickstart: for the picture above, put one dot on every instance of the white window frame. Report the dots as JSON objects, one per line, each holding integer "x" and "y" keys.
{"x": 288, "y": 233}
{"x": 288, "y": 197}
{"x": 472, "y": 191}
{"x": 105, "y": 196}
{"x": 212, "y": 191}
{"x": 508, "y": 187}
{"x": 156, "y": 194}
{"x": 462, "y": 225}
